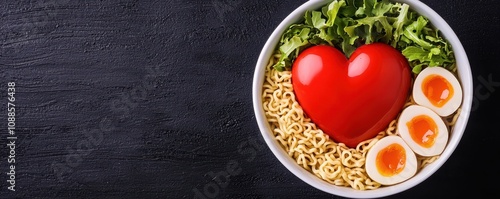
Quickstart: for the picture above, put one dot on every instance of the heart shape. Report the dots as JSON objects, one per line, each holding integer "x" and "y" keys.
{"x": 351, "y": 100}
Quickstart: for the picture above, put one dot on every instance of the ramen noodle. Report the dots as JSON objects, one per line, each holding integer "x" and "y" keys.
{"x": 311, "y": 148}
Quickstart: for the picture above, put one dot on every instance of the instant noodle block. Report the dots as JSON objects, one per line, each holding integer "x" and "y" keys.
{"x": 362, "y": 98}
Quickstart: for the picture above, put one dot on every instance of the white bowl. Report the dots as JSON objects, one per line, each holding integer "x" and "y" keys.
{"x": 464, "y": 75}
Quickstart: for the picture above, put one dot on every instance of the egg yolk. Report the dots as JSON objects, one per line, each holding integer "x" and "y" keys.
{"x": 423, "y": 130}
{"x": 437, "y": 89}
{"x": 391, "y": 160}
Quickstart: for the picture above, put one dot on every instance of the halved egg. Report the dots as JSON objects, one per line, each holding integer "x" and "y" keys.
{"x": 423, "y": 130}
{"x": 390, "y": 161}
{"x": 438, "y": 89}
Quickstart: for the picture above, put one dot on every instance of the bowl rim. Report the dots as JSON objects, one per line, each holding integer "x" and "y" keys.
{"x": 456, "y": 133}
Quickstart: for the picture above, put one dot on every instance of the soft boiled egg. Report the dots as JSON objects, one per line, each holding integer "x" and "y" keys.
{"x": 423, "y": 130}
{"x": 438, "y": 89}
{"x": 390, "y": 161}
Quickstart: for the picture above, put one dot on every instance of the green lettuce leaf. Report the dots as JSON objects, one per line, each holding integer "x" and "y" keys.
{"x": 348, "y": 24}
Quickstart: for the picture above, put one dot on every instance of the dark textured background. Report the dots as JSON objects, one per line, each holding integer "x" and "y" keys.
{"x": 150, "y": 99}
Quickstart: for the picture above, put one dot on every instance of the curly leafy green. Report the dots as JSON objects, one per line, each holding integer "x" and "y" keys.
{"x": 348, "y": 24}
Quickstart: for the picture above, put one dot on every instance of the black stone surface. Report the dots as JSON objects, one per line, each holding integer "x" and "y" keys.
{"x": 152, "y": 99}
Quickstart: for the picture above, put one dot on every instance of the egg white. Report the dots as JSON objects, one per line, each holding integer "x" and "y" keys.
{"x": 455, "y": 101}
{"x": 408, "y": 171}
{"x": 440, "y": 141}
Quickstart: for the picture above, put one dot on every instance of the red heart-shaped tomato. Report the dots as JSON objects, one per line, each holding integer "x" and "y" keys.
{"x": 351, "y": 100}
